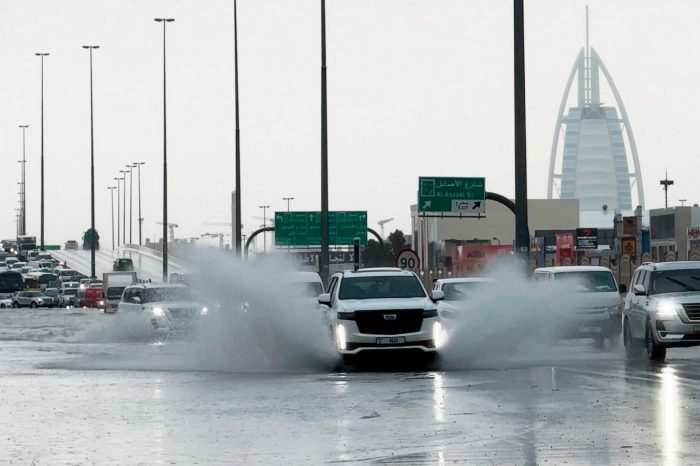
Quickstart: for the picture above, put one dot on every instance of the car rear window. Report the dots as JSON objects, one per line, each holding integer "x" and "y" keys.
{"x": 379, "y": 287}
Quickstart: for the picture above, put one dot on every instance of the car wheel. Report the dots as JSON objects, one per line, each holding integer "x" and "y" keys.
{"x": 15, "y": 305}
{"x": 655, "y": 351}
{"x": 33, "y": 305}
{"x": 2, "y": 306}
{"x": 632, "y": 350}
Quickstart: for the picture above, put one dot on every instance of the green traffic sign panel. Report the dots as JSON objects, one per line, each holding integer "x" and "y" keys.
{"x": 465, "y": 197}
{"x": 304, "y": 228}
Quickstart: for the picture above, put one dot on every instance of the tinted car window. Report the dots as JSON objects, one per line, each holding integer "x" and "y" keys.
{"x": 592, "y": 281}
{"x": 675, "y": 281}
{"x": 377, "y": 287}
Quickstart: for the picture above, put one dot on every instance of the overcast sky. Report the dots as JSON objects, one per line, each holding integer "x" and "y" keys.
{"x": 416, "y": 87}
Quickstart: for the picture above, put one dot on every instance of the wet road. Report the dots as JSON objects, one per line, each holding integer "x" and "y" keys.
{"x": 71, "y": 392}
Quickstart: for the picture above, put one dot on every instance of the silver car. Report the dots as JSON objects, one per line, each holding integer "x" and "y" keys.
{"x": 662, "y": 310}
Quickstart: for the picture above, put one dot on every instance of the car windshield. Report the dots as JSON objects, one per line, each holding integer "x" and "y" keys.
{"x": 460, "y": 290}
{"x": 312, "y": 289}
{"x": 156, "y": 295}
{"x": 115, "y": 292}
{"x": 36, "y": 294}
{"x": 70, "y": 291}
{"x": 675, "y": 281}
{"x": 51, "y": 292}
{"x": 378, "y": 287}
{"x": 592, "y": 281}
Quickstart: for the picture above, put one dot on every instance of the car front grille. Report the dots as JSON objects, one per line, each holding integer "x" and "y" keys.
{"x": 375, "y": 323}
{"x": 182, "y": 312}
{"x": 692, "y": 310}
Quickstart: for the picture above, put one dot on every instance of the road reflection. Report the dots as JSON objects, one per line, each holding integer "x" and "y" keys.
{"x": 669, "y": 416}
{"x": 438, "y": 397}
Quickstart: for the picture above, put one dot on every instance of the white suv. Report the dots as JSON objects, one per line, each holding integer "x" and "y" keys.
{"x": 166, "y": 307}
{"x": 662, "y": 309}
{"x": 371, "y": 310}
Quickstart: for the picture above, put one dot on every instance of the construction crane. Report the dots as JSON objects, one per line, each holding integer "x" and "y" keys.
{"x": 171, "y": 227}
{"x": 382, "y": 222}
{"x": 216, "y": 235}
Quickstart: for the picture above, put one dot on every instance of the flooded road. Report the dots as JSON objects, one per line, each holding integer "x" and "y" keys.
{"x": 73, "y": 393}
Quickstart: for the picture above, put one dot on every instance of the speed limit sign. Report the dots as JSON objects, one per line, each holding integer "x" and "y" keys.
{"x": 408, "y": 260}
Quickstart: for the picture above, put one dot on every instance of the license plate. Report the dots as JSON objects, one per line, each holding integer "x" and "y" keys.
{"x": 390, "y": 340}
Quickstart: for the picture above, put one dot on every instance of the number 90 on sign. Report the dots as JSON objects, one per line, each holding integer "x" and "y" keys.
{"x": 408, "y": 260}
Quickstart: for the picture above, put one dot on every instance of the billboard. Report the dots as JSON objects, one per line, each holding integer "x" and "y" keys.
{"x": 586, "y": 238}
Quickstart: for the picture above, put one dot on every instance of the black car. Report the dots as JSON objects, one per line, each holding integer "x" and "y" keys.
{"x": 123, "y": 265}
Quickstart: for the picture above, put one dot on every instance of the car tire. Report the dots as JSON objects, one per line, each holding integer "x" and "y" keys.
{"x": 15, "y": 305}
{"x": 2, "y": 306}
{"x": 33, "y": 306}
{"x": 655, "y": 352}
{"x": 632, "y": 348}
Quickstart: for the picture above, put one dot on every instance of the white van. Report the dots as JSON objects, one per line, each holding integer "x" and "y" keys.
{"x": 597, "y": 306}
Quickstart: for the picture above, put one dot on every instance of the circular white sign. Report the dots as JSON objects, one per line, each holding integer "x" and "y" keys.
{"x": 408, "y": 260}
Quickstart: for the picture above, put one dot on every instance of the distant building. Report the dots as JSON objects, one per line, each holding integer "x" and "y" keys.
{"x": 669, "y": 230}
{"x": 593, "y": 165}
{"x": 432, "y": 234}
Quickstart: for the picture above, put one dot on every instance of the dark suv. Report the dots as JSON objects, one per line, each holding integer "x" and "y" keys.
{"x": 123, "y": 265}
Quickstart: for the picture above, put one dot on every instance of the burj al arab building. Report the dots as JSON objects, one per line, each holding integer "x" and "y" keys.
{"x": 598, "y": 162}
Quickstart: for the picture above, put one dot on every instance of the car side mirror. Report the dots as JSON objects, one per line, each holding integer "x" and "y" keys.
{"x": 623, "y": 288}
{"x": 437, "y": 295}
{"x": 324, "y": 299}
{"x": 136, "y": 299}
{"x": 639, "y": 290}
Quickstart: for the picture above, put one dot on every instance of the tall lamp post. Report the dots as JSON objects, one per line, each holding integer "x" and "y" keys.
{"x": 237, "y": 227}
{"x": 24, "y": 179}
{"x": 138, "y": 165}
{"x": 123, "y": 172}
{"x": 118, "y": 180}
{"x": 92, "y": 170}
{"x": 288, "y": 199}
{"x": 131, "y": 199}
{"x": 264, "y": 208}
{"x": 111, "y": 192}
{"x": 324, "y": 258}
{"x": 42, "y": 55}
{"x": 522, "y": 234}
{"x": 165, "y": 21}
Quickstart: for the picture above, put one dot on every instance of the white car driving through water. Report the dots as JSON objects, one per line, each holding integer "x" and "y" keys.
{"x": 381, "y": 309}
{"x": 456, "y": 292}
{"x": 166, "y": 307}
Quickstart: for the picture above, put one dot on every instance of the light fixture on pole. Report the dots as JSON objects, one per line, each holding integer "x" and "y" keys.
{"x": 123, "y": 172}
{"x": 264, "y": 208}
{"x": 111, "y": 192}
{"x": 288, "y": 199}
{"x": 237, "y": 208}
{"x": 138, "y": 165}
{"x": 118, "y": 180}
{"x": 24, "y": 179}
{"x": 131, "y": 199}
{"x": 93, "y": 234}
{"x": 165, "y": 21}
{"x": 42, "y": 55}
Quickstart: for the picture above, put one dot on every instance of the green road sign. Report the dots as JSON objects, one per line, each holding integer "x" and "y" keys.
{"x": 455, "y": 196}
{"x": 304, "y": 228}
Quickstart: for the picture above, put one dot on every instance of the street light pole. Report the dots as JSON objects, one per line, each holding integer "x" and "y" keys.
{"x": 42, "y": 55}
{"x": 131, "y": 199}
{"x": 165, "y": 21}
{"x": 111, "y": 192}
{"x": 123, "y": 172}
{"x": 522, "y": 235}
{"x": 24, "y": 179}
{"x": 138, "y": 165}
{"x": 237, "y": 227}
{"x": 92, "y": 171}
{"x": 118, "y": 180}
{"x": 288, "y": 199}
{"x": 323, "y": 258}
{"x": 264, "y": 208}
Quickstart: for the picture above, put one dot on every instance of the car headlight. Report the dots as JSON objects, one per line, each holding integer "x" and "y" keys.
{"x": 158, "y": 312}
{"x": 101, "y": 303}
{"x": 430, "y": 312}
{"x": 666, "y": 309}
{"x": 341, "y": 338}
{"x": 438, "y": 335}
{"x": 205, "y": 311}
{"x": 39, "y": 300}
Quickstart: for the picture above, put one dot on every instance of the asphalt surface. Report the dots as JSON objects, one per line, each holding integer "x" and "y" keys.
{"x": 74, "y": 391}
